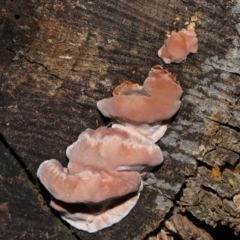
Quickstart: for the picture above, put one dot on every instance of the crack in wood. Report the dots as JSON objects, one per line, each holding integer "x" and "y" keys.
{"x": 28, "y": 173}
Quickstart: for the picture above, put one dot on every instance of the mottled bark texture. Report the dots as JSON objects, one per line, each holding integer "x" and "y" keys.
{"x": 57, "y": 58}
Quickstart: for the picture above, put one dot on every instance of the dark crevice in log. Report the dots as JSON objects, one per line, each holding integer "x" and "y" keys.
{"x": 30, "y": 177}
{"x": 22, "y": 56}
{"x": 105, "y": 120}
{"x": 10, "y": 50}
{"x": 42, "y": 65}
{"x": 237, "y": 129}
{"x": 236, "y": 74}
{"x": 162, "y": 226}
{"x": 204, "y": 164}
{"x": 180, "y": 193}
{"x": 84, "y": 105}
{"x": 209, "y": 189}
{"x": 219, "y": 232}
{"x": 76, "y": 236}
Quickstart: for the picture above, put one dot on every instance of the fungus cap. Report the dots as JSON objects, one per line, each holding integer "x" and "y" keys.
{"x": 101, "y": 183}
{"x": 91, "y": 184}
{"x": 113, "y": 148}
{"x": 157, "y": 100}
{"x": 178, "y": 45}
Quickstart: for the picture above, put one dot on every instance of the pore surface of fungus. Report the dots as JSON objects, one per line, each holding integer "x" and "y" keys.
{"x": 179, "y": 44}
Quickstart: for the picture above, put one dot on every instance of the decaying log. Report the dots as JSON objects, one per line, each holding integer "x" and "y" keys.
{"x": 58, "y": 58}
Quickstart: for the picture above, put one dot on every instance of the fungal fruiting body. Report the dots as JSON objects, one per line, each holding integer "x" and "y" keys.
{"x": 179, "y": 44}
{"x": 84, "y": 216}
{"x": 98, "y": 188}
{"x": 102, "y": 181}
{"x": 113, "y": 148}
{"x": 145, "y": 107}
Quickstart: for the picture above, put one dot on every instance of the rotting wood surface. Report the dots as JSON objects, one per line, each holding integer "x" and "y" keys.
{"x": 58, "y": 58}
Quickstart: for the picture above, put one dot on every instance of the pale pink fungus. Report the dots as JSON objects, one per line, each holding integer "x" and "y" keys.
{"x": 178, "y": 45}
{"x": 158, "y": 99}
{"x": 94, "y": 217}
{"x": 71, "y": 187}
{"x": 117, "y": 148}
{"x": 100, "y": 184}
{"x": 145, "y": 107}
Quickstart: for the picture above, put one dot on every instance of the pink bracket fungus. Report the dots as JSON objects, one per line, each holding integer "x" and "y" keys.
{"x": 102, "y": 182}
{"x": 116, "y": 148}
{"x": 145, "y": 107}
{"x": 179, "y": 44}
{"x": 93, "y": 198}
{"x": 70, "y": 187}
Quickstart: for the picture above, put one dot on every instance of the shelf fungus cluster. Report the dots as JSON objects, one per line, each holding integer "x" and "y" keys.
{"x": 102, "y": 181}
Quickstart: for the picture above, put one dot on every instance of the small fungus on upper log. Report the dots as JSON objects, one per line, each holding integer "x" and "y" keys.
{"x": 179, "y": 44}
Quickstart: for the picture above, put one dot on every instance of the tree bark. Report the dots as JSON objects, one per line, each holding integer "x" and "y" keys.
{"x": 58, "y": 58}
